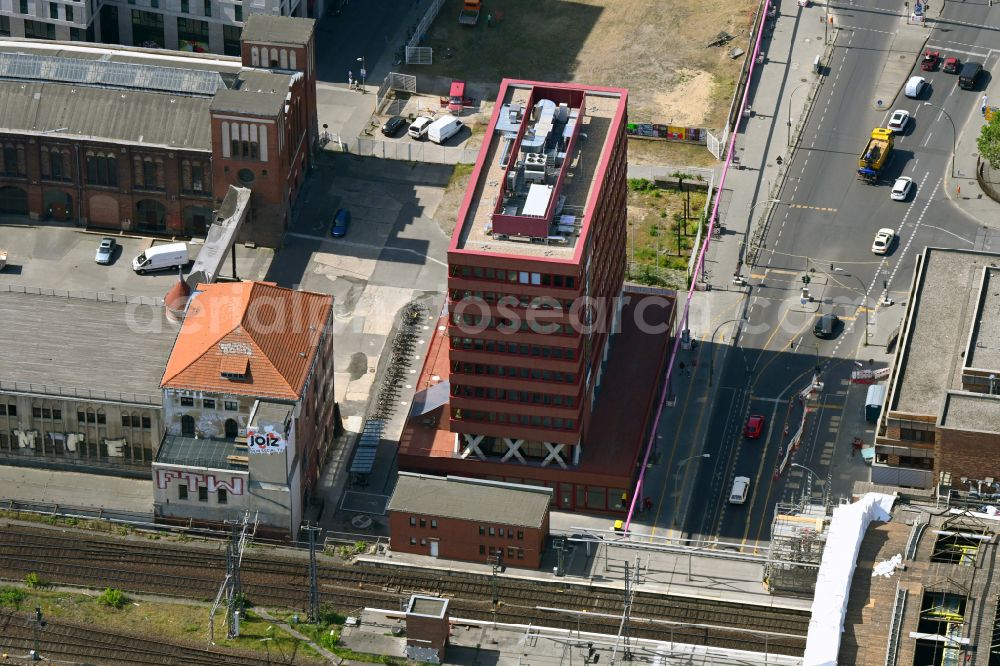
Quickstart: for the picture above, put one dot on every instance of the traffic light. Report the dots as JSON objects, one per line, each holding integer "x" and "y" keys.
{"x": 806, "y": 279}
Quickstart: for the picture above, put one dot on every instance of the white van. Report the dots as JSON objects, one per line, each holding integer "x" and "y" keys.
{"x": 161, "y": 257}
{"x": 741, "y": 486}
{"x": 418, "y": 128}
{"x": 443, "y": 129}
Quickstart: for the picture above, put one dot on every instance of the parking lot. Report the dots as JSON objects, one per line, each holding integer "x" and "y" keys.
{"x": 61, "y": 257}
{"x": 394, "y": 252}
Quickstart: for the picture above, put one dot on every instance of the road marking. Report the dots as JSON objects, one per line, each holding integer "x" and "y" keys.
{"x": 928, "y": 138}
{"x": 819, "y": 208}
{"x": 780, "y": 271}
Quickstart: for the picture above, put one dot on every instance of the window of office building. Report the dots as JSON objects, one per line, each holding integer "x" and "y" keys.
{"x": 231, "y": 40}
{"x": 192, "y": 35}
{"x": 39, "y": 30}
{"x": 147, "y": 29}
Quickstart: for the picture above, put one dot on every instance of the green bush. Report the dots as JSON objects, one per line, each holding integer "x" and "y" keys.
{"x": 112, "y": 597}
{"x": 33, "y": 580}
{"x": 11, "y": 596}
{"x": 641, "y": 185}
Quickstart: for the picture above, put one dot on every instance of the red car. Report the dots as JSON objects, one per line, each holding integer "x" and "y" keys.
{"x": 930, "y": 60}
{"x": 754, "y": 426}
{"x": 951, "y": 66}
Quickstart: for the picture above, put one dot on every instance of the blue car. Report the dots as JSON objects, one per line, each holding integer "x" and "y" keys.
{"x": 341, "y": 221}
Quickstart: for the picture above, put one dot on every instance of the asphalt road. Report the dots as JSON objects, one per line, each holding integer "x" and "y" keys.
{"x": 826, "y": 221}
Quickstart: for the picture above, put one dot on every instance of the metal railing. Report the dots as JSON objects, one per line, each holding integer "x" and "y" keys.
{"x": 88, "y": 295}
{"x": 34, "y": 388}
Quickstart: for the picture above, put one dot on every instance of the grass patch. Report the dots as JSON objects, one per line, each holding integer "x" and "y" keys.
{"x": 11, "y": 597}
{"x": 184, "y": 623}
{"x": 113, "y": 598}
{"x": 660, "y": 234}
{"x": 645, "y": 151}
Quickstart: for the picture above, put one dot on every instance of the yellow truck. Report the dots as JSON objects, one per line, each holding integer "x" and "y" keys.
{"x": 875, "y": 155}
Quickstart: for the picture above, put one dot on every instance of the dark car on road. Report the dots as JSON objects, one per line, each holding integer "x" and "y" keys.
{"x": 968, "y": 76}
{"x": 394, "y": 126}
{"x": 341, "y": 221}
{"x": 827, "y": 326}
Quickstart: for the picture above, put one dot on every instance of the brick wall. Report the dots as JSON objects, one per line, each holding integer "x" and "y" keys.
{"x": 963, "y": 453}
{"x": 466, "y": 540}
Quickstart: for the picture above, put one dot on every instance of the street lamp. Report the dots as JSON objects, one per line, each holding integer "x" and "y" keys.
{"x": 954, "y": 135}
{"x": 711, "y": 351}
{"x": 812, "y": 474}
{"x": 790, "y": 112}
{"x": 864, "y": 295}
{"x": 678, "y": 466}
{"x": 364, "y": 74}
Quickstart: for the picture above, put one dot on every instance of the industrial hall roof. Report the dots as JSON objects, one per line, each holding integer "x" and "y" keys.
{"x": 248, "y": 338}
{"x": 474, "y": 500}
{"x": 287, "y": 30}
{"x": 83, "y": 348}
{"x": 163, "y": 102}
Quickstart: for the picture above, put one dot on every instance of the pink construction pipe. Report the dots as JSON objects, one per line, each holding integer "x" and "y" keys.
{"x": 697, "y": 271}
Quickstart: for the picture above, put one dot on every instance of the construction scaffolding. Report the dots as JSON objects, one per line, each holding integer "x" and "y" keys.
{"x": 798, "y": 536}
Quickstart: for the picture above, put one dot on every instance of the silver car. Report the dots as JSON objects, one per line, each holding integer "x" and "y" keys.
{"x": 105, "y": 251}
{"x": 901, "y": 188}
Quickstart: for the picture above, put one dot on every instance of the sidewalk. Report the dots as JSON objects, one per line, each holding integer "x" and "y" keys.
{"x": 961, "y": 186}
{"x": 782, "y": 94}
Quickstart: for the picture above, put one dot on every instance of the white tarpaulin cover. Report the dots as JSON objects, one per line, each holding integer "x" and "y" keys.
{"x": 833, "y": 583}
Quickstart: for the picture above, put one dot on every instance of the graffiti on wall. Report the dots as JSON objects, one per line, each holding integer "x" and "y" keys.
{"x": 195, "y": 480}
{"x": 666, "y": 132}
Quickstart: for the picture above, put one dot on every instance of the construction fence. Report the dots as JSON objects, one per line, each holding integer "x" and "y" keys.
{"x": 412, "y": 151}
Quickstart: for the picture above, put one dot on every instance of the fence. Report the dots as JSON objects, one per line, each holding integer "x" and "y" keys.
{"x": 31, "y": 388}
{"x": 422, "y": 55}
{"x": 411, "y": 151}
{"x": 89, "y": 295}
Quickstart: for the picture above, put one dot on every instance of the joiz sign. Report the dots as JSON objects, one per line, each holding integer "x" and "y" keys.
{"x": 262, "y": 440}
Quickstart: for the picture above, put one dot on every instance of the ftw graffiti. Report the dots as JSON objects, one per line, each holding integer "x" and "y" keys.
{"x": 194, "y": 481}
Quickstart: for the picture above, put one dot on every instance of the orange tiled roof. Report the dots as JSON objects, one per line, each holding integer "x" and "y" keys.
{"x": 264, "y": 333}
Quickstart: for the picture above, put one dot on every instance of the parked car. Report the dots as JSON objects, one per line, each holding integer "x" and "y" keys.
{"x": 951, "y": 66}
{"x": 105, "y": 251}
{"x": 443, "y": 129}
{"x": 393, "y": 126}
{"x": 827, "y": 326}
{"x": 754, "y": 426}
{"x": 901, "y": 188}
{"x": 418, "y": 128}
{"x": 341, "y": 222}
{"x": 740, "y": 489}
{"x": 161, "y": 257}
{"x": 915, "y": 87}
{"x": 898, "y": 120}
{"x": 883, "y": 240}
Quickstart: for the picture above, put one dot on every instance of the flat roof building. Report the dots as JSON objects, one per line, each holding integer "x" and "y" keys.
{"x": 536, "y": 268}
{"x": 80, "y": 384}
{"x": 469, "y": 519}
{"x": 941, "y": 419}
{"x": 207, "y": 26}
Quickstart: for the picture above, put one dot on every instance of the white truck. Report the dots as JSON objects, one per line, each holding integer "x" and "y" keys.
{"x": 161, "y": 257}
{"x": 443, "y": 129}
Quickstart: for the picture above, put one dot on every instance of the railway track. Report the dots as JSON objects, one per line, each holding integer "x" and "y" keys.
{"x": 271, "y": 579}
{"x": 67, "y": 641}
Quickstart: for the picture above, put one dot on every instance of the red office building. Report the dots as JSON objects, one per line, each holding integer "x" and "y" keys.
{"x": 550, "y": 379}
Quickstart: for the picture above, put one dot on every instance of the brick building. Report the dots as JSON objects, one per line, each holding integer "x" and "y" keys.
{"x": 469, "y": 519}
{"x": 541, "y": 350}
{"x": 196, "y": 26}
{"x": 941, "y": 419}
{"x": 248, "y": 408}
{"x": 146, "y": 141}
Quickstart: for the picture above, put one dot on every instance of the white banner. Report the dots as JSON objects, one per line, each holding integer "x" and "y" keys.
{"x": 263, "y": 440}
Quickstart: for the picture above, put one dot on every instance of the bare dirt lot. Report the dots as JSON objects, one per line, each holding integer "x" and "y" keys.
{"x": 656, "y": 50}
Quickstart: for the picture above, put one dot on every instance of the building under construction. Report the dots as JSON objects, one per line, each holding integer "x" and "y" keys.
{"x": 798, "y": 536}
{"x": 925, "y": 591}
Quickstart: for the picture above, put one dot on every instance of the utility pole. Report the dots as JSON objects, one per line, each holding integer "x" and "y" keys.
{"x": 36, "y": 628}
{"x": 312, "y": 531}
{"x": 231, "y": 588}
{"x": 497, "y": 563}
{"x": 625, "y": 628}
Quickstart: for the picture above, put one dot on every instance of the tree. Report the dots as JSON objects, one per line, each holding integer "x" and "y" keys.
{"x": 988, "y": 142}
